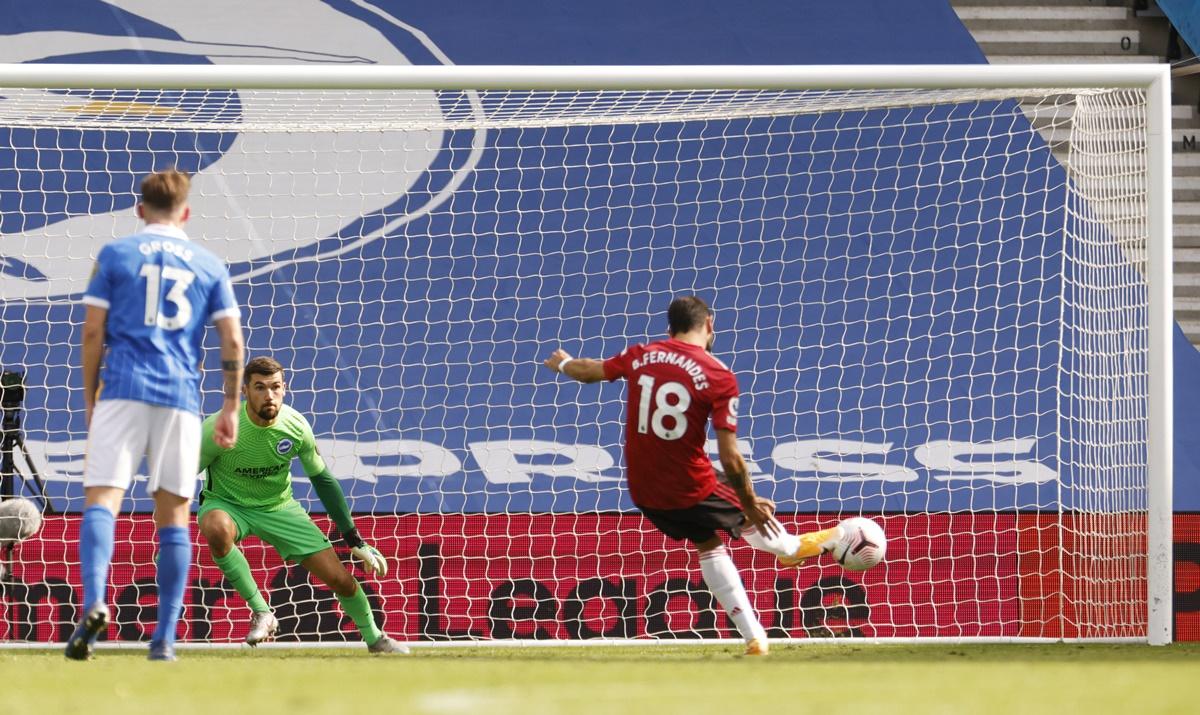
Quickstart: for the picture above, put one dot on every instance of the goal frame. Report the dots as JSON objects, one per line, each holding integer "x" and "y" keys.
{"x": 1155, "y": 80}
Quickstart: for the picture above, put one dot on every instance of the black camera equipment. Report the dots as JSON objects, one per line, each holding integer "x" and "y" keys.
{"x": 12, "y": 400}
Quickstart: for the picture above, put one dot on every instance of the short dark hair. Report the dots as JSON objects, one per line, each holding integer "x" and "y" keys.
{"x": 262, "y": 365}
{"x": 686, "y": 314}
{"x": 166, "y": 190}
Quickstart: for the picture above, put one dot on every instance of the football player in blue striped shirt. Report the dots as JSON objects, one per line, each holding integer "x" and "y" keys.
{"x": 149, "y": 299}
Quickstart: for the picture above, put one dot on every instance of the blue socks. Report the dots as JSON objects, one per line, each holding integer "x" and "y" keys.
{"x": 174, "y": 561}
{"x": 95, "y": 553}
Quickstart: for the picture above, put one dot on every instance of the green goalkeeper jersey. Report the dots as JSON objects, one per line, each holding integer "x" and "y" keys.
{"x": 256, "y": 472}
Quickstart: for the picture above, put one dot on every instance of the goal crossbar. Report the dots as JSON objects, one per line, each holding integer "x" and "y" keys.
{"x": 586, "y": 77}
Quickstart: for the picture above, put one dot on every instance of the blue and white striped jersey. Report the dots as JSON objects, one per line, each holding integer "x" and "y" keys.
{"x": 160, "y": 290}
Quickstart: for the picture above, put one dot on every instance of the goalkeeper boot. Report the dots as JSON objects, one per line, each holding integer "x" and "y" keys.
{"x": 79, "y": 645}
{"x": 263, "y": 627}
{"x": 814, "y": 543}
{"x": 161, "y": 651}
{"x": 388, "y": 645}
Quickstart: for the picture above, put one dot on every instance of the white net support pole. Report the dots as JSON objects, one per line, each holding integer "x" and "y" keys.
{"x": 1160, "y": 271}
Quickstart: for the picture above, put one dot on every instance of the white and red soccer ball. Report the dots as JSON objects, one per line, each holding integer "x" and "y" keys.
{"x": 862, "y": 545}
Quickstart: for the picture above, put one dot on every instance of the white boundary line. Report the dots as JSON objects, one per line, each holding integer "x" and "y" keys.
{"x": 596, "y": 643}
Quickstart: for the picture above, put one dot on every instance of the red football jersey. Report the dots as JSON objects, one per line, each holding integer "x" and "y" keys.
{"x": 673, "y": 388}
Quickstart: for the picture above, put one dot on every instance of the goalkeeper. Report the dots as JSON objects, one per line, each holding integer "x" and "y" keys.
{"x": 249, "y": 491}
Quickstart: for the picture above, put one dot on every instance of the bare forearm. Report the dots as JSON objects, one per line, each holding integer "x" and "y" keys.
{"x": 93, "y": 349}
{"x": 579, "y": 369}
{"x": 735, "y": 466}
{"x": 584, "y": 369}
{"x": 231, "y": 369}
{"x": 739, "y": 478}
{"x": 232, "y": 349}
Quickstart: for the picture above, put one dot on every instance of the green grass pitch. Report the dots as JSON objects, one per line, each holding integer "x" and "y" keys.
{"x": 824, "y": 678}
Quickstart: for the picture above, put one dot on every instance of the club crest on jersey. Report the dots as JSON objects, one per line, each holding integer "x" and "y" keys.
{"x": 284, "y": 446}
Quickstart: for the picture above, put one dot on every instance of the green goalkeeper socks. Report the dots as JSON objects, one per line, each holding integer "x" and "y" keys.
{"x": 359, "y": 610}
{"x": 237, "y": 570}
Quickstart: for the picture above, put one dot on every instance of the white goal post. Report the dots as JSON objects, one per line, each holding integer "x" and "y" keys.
{"x": 946, "y": 292}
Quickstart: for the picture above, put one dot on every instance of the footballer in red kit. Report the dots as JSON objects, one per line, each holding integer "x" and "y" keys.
{"x": 673, "y": 389}
{"x": 675, "y": 386}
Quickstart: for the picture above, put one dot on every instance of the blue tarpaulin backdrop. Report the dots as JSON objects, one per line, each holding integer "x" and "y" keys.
{"x": 435, "y": 333}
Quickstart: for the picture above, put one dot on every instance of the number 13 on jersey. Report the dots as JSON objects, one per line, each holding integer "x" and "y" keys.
{"x": 178, "y": 281}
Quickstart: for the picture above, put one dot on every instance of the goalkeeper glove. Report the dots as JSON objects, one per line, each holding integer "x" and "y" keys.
{"x": 372, "y": 560}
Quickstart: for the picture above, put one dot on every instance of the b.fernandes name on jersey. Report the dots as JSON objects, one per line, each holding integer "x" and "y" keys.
{"x": 690, "y": 366}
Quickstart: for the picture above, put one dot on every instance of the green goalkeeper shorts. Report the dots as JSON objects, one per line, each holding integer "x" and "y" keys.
{"x": 289, "y": 528}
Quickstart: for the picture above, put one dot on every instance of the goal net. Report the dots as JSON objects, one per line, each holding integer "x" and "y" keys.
{"x": 937, "y": 303}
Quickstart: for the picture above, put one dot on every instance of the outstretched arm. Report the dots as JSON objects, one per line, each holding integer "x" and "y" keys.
{"x": 581, "y": 369}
